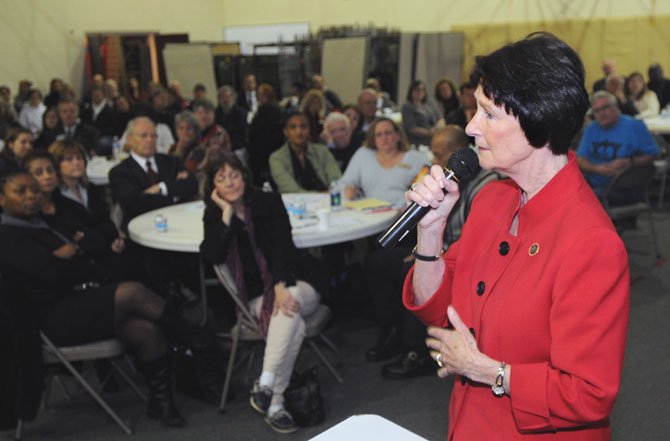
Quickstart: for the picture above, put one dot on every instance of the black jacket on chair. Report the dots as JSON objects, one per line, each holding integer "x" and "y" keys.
{"x": 128, "y": 181}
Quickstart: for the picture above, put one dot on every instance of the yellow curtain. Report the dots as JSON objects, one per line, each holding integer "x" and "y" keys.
{"x": 633, "y": 43}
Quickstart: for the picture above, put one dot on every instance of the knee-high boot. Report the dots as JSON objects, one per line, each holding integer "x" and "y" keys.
{"x": 182, "y": 332}
{"x": 161, "y": 398}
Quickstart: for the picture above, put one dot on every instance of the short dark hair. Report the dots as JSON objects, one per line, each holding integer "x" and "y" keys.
{"x": 539, "y": 80}
{"x": 466, "y": 85}
{"x": 294, "y": 114}
{"x": 203, "y": 104}
{"x": 8, "y": 176}
{"x": 199, "y": 87}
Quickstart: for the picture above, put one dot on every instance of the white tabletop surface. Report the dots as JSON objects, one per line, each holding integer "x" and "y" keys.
{"x": 365, "y": 428}
{"x": 658, "y": 125}
{"x": 98, "y": 169}
{"x": 185, "y": 229}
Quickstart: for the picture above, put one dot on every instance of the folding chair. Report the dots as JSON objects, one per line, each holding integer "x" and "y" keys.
{"x": 110, "y": 349}
{"x": 634, "y": 183}
{"x": 247, "y": 330}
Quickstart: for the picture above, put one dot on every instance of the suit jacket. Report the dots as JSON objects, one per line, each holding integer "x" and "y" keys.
{"x": 552, "y": 302}
{"x": 104, "y": 122}
{"x": 128, "y": 181}
{"x": 84, "y": 134}
{"x": 235, "y": 123}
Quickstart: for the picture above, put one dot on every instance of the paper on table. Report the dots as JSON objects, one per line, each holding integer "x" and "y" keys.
{"x": 367, "y": 204}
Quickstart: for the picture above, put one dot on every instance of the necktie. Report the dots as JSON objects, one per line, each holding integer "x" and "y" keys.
{"x": 153, "y": 176}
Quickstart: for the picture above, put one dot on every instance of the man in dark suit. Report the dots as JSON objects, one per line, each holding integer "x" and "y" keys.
{"x": 99, "y": 113}
{"x": 70, "y": 128}
{"x": 232, "y": 117}
{"x": 147, "y": 180}
{"x": 247, "y": 98}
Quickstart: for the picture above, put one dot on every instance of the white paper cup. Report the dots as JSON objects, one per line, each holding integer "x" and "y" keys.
{"x": 323, "y": 215}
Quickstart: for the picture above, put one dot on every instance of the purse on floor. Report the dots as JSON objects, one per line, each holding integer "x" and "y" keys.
{"x": 303, "y": 398}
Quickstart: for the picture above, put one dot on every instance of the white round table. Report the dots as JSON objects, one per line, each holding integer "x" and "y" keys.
{"x": 185, "y": 229}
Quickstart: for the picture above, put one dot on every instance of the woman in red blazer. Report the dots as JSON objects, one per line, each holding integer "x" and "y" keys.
{"x": 529, "y": 309}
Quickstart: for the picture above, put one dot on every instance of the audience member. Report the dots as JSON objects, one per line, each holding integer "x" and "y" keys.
{"x": 367, "y": 106}
{"x": 609, "y": 68}
{"x": 384, "y": 167}
{"x": 313, "y": 105}
{"x": 249, "y": 230}
{"x": 187, "y": 148}
{"x": 355, "y": 118}
{"x": 111, "y": 90}
{"x": 17, "y": 145}
{"x": 616, "y": 85}
{"x": 299, "y": 165}
{"x": 343, "y": 142}
{"x": 50, "y": 129}
{"x": 612, "y": 142}
{"x": 291, "y": 102}
{"x": 232, "y": 117}
{"x": 659, "y": 84}
{"x": 122, "y": 115}
{"x": 7, "y": 116}
{"x": 247, "y": 98}
{"x": 213, "y": 137}
{"x": 22, "y": 95}
{"x": 177, "y": 100}
{"x": 148, "y": 180}
{"x": 199, "y": 93}
{"x": 75, "y": 302}
{"x": 420, "y": 118}
{"x": 160, "y": 112}
{"x": 55, "y": 90}
{"x": 265, "y": 134}
{"x": 99, "y": 113}
{"x": 467, "y": 107}
{"x": 645, "y": 100}
{"x": 446, "y": 97}
{"x": 135, "y": 92}
{"x": 383, "y": 99}
{"x": 30, "y": 116}
{"x": 70, "y": 128}
{"x": 333, "y": 101}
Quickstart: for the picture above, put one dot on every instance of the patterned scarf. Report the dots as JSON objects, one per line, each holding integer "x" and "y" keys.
{"x": 235, "y": 265}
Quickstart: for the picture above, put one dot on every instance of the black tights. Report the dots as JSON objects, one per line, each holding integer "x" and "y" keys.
{"x": 136, "y": 310}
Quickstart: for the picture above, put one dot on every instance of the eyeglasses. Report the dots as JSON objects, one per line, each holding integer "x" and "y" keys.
{"x": 597, "y": 110}
{"x": 384, "y": 133}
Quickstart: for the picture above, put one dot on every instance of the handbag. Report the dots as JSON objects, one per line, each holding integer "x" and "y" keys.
{"x": 303, "y": 399}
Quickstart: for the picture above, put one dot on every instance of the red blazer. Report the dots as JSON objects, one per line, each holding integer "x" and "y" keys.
{"x": 552, "y": 302}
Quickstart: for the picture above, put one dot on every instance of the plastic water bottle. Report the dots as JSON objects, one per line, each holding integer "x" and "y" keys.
{"x": 335, "y": 196}
{"x": 161, "y": 223}
{"x": 116, "y": 149}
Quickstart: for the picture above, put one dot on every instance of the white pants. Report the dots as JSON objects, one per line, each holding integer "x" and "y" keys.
{"x": 285, "y": 334}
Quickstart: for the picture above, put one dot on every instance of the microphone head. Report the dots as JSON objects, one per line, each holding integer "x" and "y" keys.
{"x": 464, "y": 163}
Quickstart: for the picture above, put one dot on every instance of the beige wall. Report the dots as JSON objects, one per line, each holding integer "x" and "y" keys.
{"x": 40, "y": 39}
{"x": 429, "y": 15}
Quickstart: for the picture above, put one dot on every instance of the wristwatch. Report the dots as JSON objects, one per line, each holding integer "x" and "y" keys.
{"x": 498, "y": 387}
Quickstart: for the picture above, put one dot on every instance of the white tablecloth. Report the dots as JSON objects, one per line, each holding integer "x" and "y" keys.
{"x": 185, "y": 229}
{"x": 98, "y": 169}
{"x": 366, "y": 428}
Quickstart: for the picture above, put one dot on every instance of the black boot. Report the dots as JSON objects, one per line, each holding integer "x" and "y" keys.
{"x": 161, "y": 399}
{"x": 184, "y": 333}
{"x": 388, "y": 345}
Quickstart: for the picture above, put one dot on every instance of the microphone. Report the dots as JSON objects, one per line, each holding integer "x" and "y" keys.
{"x": 461, "y": 165}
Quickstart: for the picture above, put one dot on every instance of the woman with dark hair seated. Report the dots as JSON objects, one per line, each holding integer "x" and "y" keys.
{"x": 420, "y": 117}
{"x": 17, "y": 145}
{"x": 49, "y": 129}
{"x": 250, "y": 231}
{"x": 74, "y": 301}
{"x": 299, "y": 165}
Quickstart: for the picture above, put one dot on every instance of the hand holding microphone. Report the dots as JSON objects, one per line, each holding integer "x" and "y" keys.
{"x": 429, "y": 194}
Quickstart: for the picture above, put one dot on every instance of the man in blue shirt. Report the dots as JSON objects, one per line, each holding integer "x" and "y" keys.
{"x": 612, "y": 142}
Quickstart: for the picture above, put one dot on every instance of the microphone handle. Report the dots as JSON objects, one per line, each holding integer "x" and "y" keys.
{"x": 408, "y": 220}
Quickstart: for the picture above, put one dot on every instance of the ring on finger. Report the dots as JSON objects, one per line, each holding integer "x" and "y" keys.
{"x": 438, "y": 360}
{"x": 413, "y": 186}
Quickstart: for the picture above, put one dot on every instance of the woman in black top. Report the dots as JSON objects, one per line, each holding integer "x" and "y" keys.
{"x": 17, "y": 145}
{"x": 249, "y": 230}
{"x": 73, "y": 302}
